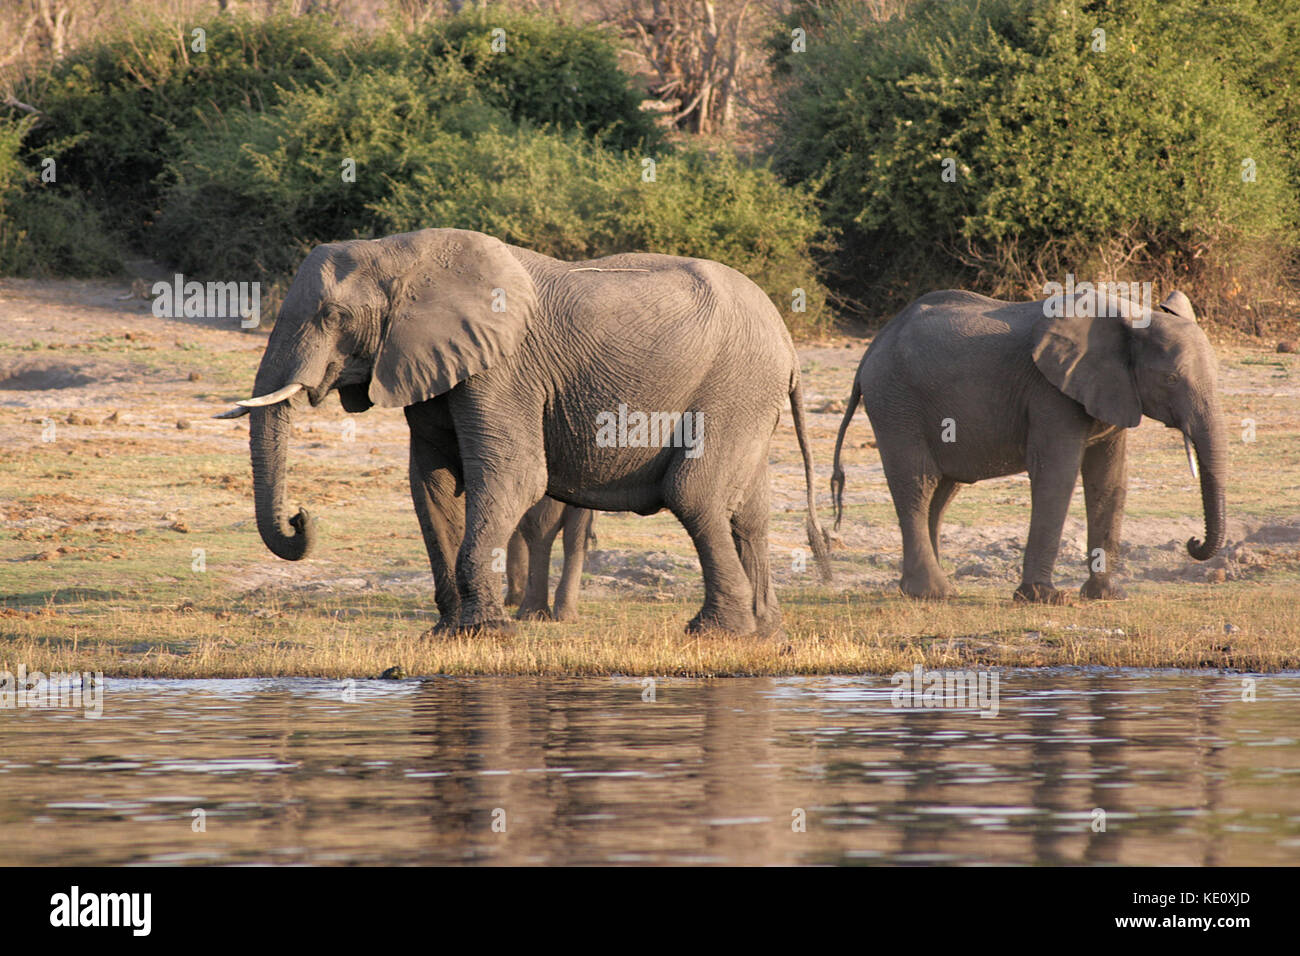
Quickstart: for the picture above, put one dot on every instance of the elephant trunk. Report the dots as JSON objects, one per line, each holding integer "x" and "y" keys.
{"x": 288, "y": 537}
{"x": 1211, "y": 445}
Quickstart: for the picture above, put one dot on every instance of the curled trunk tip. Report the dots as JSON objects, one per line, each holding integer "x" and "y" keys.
{"x": 290, "y": 537}
{"x": 1211, "y": 455}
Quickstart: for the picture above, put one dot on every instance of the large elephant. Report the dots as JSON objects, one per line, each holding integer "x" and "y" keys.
{"x": 960, "y": 387}
{"x": 528, "y": 560}
{"x": 635, "y": 383}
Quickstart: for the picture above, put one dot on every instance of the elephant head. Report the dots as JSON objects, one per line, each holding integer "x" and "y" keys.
{"x": 1126, "y": 362}
{"x": 389, "y": 322}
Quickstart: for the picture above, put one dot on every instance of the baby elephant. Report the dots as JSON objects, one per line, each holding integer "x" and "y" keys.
{"x": 960, "y": 387}
{"x": 528, "y": 559}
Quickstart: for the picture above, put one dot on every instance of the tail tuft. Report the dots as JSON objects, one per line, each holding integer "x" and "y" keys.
{"x": 820, "y": 543}
{"x": 837, "y": 472}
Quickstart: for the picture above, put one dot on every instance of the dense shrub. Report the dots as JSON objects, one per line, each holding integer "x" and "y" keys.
{"x": 550, "y": 73}
{"x": 1065, "y": 158}
{"x": 44, "y": 231}
{"x": 232, "y": 161}
{"x": 252, "y": 195}
{"x": 117, "y": 112}
{"x": 250, "y": 198}
{"x": 562, "y": 196}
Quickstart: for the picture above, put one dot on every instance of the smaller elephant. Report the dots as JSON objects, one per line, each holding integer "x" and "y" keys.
{"x": 960, "y": 388}
{"x": 528, "y": 560}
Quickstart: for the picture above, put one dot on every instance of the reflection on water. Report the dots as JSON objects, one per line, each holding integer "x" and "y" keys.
{"x": 585, "y": 771}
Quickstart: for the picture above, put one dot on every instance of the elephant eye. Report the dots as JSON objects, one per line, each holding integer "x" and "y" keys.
{"x": 1171, "y": 378}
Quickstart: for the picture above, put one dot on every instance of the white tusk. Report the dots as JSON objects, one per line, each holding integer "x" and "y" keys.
{"x": 278, "y": 395}
{"x": 237, "y": 412}
{"x": 1191, "y": 457}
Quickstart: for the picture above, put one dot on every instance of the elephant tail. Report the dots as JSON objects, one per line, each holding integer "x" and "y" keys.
{"x": 837, "y": 471}
{"x": 817, "y": 538}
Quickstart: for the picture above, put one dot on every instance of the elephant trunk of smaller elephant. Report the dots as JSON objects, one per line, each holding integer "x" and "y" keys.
{"x": 288, "y": 537}
{"x": 1210, "y": 442}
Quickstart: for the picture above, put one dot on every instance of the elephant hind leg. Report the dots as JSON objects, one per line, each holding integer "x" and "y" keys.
{"x": 535, "y": 605}
{"x": 915, "y": 484}
{"x": 943, "y": 495}
{"x": 728, "y": 597}
{"x": 495, "y": 500}
{"x": 516, "y": 568}
{"x": 538, "y": 528}
{"x": 577, "y": 529}
{"x": 695, "y": 495}
{"x": 749, "y": 526}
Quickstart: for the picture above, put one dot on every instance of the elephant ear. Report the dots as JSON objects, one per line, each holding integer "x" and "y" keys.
{"x": 1178, "y": 304}
{"x": 461, "y": 306}
{"x": 1090, "y": 359}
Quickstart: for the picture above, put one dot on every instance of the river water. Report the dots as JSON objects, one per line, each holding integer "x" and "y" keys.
{"x": 1077, "y": 767}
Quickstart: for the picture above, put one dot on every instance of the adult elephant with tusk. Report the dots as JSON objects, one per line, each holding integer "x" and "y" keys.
{"x": 960, "y": 388}
{"x": 630, "y": 383}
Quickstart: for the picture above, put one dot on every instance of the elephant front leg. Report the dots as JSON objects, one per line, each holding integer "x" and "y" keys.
{"x": 1052, "y": 477}
{"x": 1105, "y": 486}
{"x": 440, "y": 506}
{"x": 494, "y": 503}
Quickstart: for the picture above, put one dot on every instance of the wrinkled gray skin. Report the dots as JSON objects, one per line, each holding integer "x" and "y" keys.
{"x": 1051, "y": 396}
{"x": 502, "y": 360}
{"x": 528, "y": 560}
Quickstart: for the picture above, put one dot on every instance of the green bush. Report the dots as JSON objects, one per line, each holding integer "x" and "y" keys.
{"x": 249, "y": 199}
{"x": 114, "y": 112}
{"x": 550, "y": 73}
{"x": 44, "y": 231}
{"x": 284, "y": 133}
{"x": 1065, "y": 158}
{"x": 564, "y": 197}
{"x": 251, "y": 196}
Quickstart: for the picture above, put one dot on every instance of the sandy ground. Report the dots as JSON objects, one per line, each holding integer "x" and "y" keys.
{"x": 135, "y": 455}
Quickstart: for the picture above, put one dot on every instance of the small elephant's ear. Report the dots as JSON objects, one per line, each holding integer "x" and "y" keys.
{"x": 1177, "y": 303}
{"x": 460, "y": 306}
{"x": 1090, "y": 360}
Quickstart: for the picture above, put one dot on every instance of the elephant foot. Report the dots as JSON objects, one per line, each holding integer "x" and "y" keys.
{"x": 1101, "y": 589}
{"x": 741, "y": 624}
{"x": 446, "y": 626}
{"x": 566, "y": 614}
{"x": 769, "y": 623}
{"x": 531, "y": 612}
{"x": 513, "y": 598}
{"x": 1040, "y": 594}
{"x": 500, "y": 626}
{"x": 927, "y": 588}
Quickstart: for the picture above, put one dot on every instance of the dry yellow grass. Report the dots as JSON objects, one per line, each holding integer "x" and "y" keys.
{"x": 1248, "y": 628}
